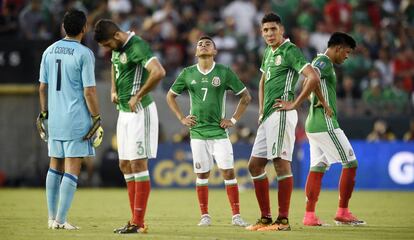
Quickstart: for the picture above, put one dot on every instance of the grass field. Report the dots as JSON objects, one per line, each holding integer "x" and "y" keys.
{"x": 173, "y": 214}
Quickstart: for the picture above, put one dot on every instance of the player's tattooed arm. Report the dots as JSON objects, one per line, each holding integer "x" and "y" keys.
{"x": 244, "y": 101}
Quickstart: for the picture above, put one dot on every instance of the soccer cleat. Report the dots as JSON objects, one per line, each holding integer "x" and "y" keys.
{"x": 133, "y": 229}
{"x": 281, "y": 224}
{"x": 237, "y": 220}
{"x": 117, "y": 230}
{"x": 261, "y": 222}
{"x": 347, "y": 218}
{"x": 50, "y": 223}
{"x": 205, "y": 221}
{"x": 66, "y": 226}
{"x": 310, "y": 219}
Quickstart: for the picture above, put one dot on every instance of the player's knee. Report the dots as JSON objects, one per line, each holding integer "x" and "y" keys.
{"x": 255, "y": 169}
{"x": 228, "y": 174}
{"x": 124, "y": 167}
{"x": 350, "y": 164}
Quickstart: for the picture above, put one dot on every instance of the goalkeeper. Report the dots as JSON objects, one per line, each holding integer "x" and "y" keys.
{"x": 69, "y": 103}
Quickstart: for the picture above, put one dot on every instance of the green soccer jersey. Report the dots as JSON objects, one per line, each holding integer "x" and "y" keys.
{"x": 207, "y": 97}
{"x": 317, "y": 121}
{"x": 129, "y": 68}
{"x": 281, "y": 67}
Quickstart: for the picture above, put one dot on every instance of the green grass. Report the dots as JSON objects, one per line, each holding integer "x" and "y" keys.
{"x": 173, "y": 214}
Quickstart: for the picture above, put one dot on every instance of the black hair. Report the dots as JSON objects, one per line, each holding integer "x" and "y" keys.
{"x": 271, "y": 17}
{"x": 73, "y": 22}
{"x": 105, "y": 29}
{"x": 208, "y": 38}
{"x": 340, "y": 38}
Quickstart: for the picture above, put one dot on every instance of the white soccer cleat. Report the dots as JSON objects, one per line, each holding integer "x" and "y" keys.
{"x": 205, "y": 221}
{"x": 66, "y": 226}
{"x": 237, "y": 220}
{"x": 50, "y": 223}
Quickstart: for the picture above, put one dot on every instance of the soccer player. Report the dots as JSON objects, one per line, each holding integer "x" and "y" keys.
{"x": 135, "y": 72}
{"x": 68, "y": 100}
{"x": 281, "y": 65}
{"x": 207, "y": 83}
{"x": 328, "y": 143}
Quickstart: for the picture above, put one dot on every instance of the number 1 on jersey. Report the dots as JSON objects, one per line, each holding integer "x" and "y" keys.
{"x": 205, "y": 93}
{"x": 59, "y": 74}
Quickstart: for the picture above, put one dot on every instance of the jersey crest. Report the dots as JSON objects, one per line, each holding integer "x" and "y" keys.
{"x": 216, "y": 81}
{"x": 278, "y": 60}
{"x": 123, "y": 58}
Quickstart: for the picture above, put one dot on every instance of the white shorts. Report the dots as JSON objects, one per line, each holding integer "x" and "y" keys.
{"x": 137, "y": 134}
{"x": 276, "y": 136}
{"x": 204, "y": 151}
{"x": 330, "y": 147}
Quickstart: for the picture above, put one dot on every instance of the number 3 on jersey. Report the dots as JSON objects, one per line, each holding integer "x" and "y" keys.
{"x": 116, "y": 71}
{"x": 205, "y": 93}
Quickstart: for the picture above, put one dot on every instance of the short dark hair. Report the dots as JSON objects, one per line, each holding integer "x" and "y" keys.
{"x": 208, "y": 38}
{"x": 73, "y": 22}
{"x": 341, "y": 38}
{"x": 271, "y": 17}
{"x": 105, "y": 29}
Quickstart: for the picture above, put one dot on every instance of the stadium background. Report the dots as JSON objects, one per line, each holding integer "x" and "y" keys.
{"x": 375, "y": 86}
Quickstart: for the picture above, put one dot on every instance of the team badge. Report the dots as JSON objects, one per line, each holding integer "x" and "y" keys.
{"x": 278, "y": 60}
{"x": 351, "y": 153}
{"x": 123, "y": 58}
{"x": 198, "y": 165}
{"x": 193, "y": 82}
{"x": 216, "y": 81}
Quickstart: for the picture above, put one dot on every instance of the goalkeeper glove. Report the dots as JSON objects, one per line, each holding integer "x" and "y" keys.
{"x": 96, "y": 131}
{"x": 40, "y": 125}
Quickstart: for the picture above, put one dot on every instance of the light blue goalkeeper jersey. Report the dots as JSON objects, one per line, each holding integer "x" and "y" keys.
{"x": 67, "y": 67}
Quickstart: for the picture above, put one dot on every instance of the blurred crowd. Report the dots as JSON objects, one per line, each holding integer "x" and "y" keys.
{"x": 377, "y": 80}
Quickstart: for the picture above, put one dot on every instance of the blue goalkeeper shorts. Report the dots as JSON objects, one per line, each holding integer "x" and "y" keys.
{"x": 70, "y": 148}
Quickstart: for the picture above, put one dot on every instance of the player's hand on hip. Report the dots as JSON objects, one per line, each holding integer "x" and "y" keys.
{"x": 114, "y": 97}
{"x": 96, "y": 131}
{"x": 133, "y": 102}
{"x": 283, "y": 105}
{"x": 40, "y": 125}
{"x": 226, "y": 123}
{"x": 189, "y": 121}
{"x": 328, "y": 111}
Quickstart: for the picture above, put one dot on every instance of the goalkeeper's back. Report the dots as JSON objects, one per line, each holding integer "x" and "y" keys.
{"x": 67, "y": 67}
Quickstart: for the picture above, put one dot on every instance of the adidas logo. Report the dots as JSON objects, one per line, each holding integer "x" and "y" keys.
{"x": 193, "y": 82}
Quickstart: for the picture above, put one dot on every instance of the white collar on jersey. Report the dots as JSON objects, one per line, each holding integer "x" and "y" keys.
{"x": 324, "y": 54}
{"x": 286, "y": 40}
{"x": 130, "y": 35}
{"x": 211, "y": 69}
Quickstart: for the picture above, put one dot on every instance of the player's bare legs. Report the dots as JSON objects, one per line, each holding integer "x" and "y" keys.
{"x": 261, "y": 186}
{"x": 53, "y": 179}
{"x": 67, "y": 191}
{"x": 202, "y": 195}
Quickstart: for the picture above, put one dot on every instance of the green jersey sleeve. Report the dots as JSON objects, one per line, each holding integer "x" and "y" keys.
{"x": 142, "y": 53}
{"x": 321, "y": 66}
{"x": 179, "y": 85}
{"x": 296, "y": 59}
{"x": 234, "y": 83}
